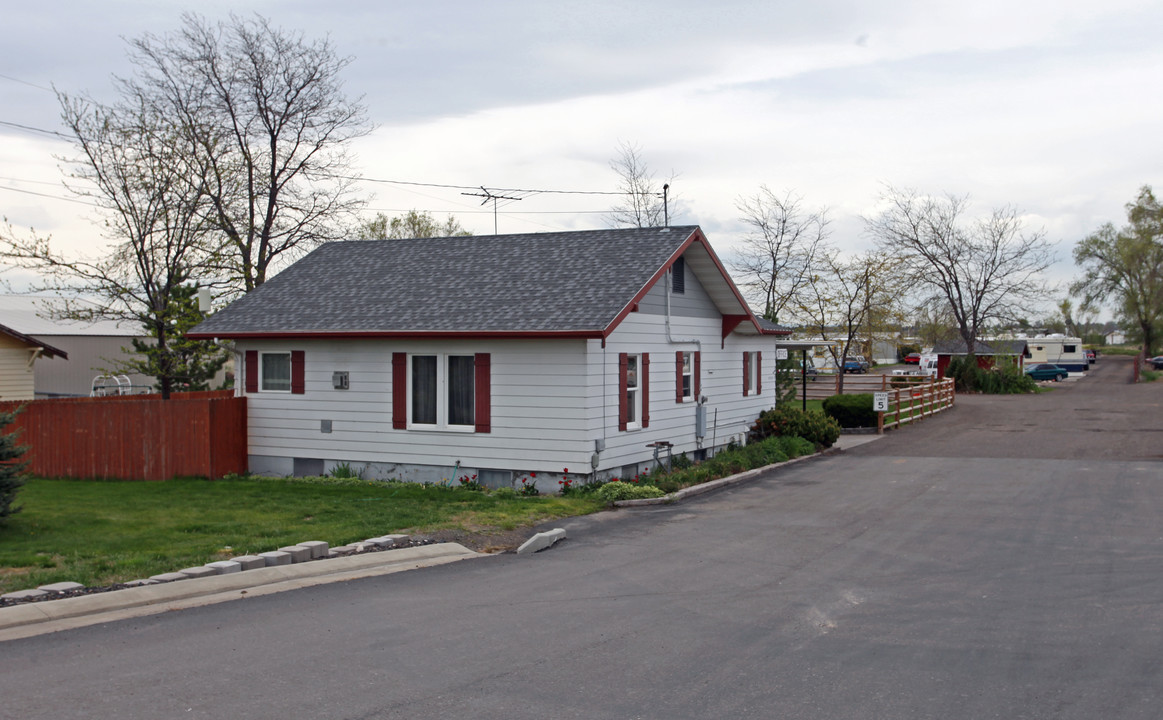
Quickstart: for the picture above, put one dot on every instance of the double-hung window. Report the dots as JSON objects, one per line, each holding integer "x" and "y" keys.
{"x": 686, "y": 372}
{"x": 276, "y": 371}
{"x": 752, "y": 373}
{"x": 633, "y": 391}
{"x": 443, "y": 391}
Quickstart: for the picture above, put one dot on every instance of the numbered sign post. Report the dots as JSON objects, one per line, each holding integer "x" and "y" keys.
{"x": 880, "y": 407}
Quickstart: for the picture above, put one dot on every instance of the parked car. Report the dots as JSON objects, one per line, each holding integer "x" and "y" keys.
{"x": 913, "y": 359}
{"x": 1047, "y": 371}
{"x": 1156, "y": 362}
{"x": 856, "y": 364}
{"x": 1091, "y": 356}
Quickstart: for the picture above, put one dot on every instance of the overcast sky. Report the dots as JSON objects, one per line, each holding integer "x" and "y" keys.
{"x": 1052, "y": 107}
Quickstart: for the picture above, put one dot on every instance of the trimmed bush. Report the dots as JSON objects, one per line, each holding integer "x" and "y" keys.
{"x": 851, "y": 411}
{"x": 815, "y": 427}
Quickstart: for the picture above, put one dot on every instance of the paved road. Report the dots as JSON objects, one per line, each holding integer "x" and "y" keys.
{"x": 951, "y": 570}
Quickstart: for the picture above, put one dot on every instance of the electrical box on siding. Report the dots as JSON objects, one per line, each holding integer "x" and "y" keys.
{"x": 700, "y": 421}
{"x": 339, "y": 380}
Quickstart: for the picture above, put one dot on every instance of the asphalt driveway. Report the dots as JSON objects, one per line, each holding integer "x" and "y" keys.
{"x": 1001, "y": 560}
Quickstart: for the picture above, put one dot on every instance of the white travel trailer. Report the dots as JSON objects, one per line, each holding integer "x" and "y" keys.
{"x": 1060, "y": 350}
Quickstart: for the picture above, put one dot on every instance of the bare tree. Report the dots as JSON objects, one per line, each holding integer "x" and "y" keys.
{"x": 262, "y": 114}
{"x": 838, "y": 299}
{"x": 153, "y": 208}
{"x": 643, "y": 204}
{"x": 983, "y": 271}
{"x": 777, "y": 255}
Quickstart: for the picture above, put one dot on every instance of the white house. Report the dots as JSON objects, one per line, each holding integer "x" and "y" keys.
{"x": 499, "y": 356}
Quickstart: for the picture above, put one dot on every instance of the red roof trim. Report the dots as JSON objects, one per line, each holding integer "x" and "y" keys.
{"x": 695, "y": 236}
{"x": 403, "y": 334}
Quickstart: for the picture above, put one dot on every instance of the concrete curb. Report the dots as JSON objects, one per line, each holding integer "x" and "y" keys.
{"x": 29, "y": 619}
{"x": 541, "y": 541}
{"x": 694, "y": 490}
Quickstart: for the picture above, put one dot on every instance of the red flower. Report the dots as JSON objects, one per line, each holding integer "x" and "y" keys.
{"x": 532, "y": 474}
{"x": 565, "y": 470}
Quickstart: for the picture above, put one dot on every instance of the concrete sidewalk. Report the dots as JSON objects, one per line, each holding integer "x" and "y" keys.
{"x": 36, "y": 618}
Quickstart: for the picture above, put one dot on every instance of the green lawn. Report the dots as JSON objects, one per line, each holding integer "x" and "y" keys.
{"x": 98, "y": 533}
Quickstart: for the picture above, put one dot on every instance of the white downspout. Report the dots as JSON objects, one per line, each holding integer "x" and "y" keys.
{"x": 670, "y": 338}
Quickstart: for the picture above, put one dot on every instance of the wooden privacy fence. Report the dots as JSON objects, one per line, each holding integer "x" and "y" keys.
{"x": 134, "y": 437}
{"x": 912, "y": 398}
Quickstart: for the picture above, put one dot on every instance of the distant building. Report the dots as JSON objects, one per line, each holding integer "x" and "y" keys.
{"x": 1115, "y": 337}
{"x": 91, "y": 349}
{"x": 19, "y": 354}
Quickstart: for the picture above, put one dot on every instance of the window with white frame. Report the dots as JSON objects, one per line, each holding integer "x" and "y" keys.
{"x": 442, "y": 391}
{"x": 633, "y": 391}
{"x": 687, "y": 378}
{"x": 633, "y": 412}
{"x": 275, "y": 374}
{"x": 751, "y": 362}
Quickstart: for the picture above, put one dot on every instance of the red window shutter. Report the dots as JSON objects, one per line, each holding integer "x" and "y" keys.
{"x": 298, "y": 372}
{"x": 399, "y": 391}
{"x": 622, "y": 363}
{"x": 678, "y": 376}
{"x": 644, "y": 383}
{"x": 698, "y": 372}
{"x": 758, "y": 373}
{"x": 251, "y": 371}
{"x": 746, "y": 373}
{"x": 483, "y": 392}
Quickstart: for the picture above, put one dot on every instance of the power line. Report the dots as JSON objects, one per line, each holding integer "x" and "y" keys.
{"x": 51, "y": 197}
{"x": 25, "y": 82}
{"x": 29, "y": 128}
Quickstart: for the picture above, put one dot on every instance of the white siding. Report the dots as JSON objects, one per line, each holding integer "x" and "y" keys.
{"x": 552, "y": 401}
{"x": 539, "y": 404}
{"x": 721, "y": 383}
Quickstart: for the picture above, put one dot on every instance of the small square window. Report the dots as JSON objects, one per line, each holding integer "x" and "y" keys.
{"x": 276, "y": 372}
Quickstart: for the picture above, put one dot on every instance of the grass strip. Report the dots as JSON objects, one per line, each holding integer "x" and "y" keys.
{"x": 102, "y": 532}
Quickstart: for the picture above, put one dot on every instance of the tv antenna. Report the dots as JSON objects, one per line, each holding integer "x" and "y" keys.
{"x": 490, "y": 196}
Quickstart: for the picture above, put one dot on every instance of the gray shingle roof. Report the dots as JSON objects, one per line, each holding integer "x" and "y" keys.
{"x": 982, "y": 347}
{"x": 543, "y": 282}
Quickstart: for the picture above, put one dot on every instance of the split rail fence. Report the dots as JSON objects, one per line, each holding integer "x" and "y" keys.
{"x": 910, "y": 397}
{"x": 133, "y": 437}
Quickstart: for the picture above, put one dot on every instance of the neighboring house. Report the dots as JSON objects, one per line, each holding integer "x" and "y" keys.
{"x": 19, "y": 354}
{"x": 93, "y": 348}
{"x": 987, "y": 351}
{"x": 1115, "y": 337}
{"x": 499, "y": 356}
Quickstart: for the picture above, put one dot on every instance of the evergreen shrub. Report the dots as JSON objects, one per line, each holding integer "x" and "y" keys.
{"x": 851, "y": 411}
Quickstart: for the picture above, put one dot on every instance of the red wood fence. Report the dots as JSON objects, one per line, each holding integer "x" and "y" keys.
{"x": 134, "y": 437}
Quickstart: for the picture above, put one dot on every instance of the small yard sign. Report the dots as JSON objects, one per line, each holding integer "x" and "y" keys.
{"x": 781, "y": 353}
{"x": 880, "y": 402}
